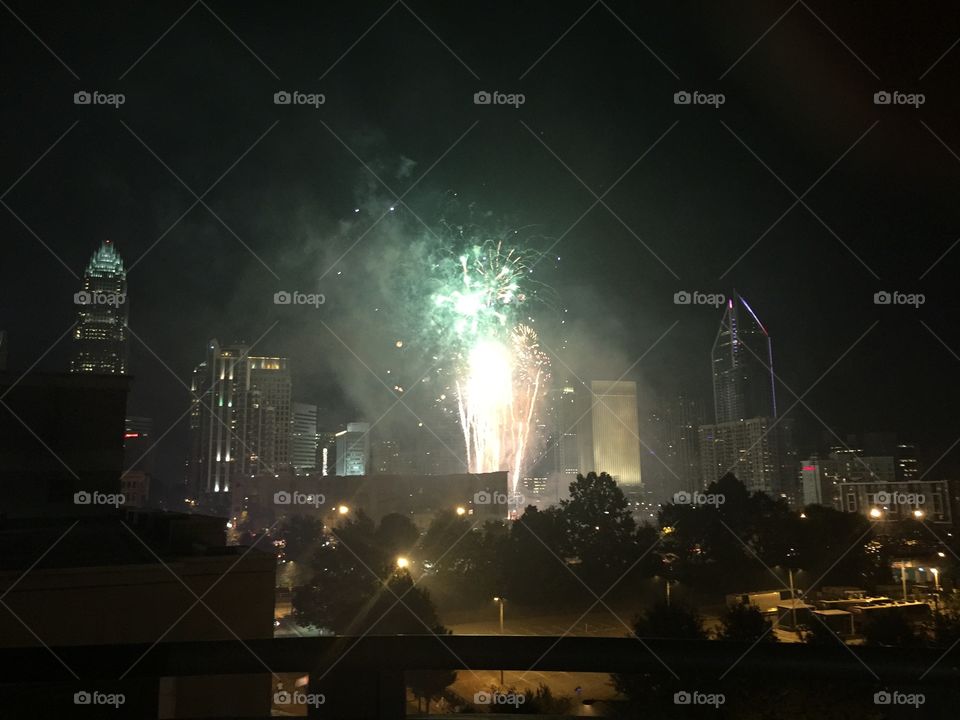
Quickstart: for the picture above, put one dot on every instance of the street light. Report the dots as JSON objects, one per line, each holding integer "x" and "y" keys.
{"x": 499, "y": 601}
{"x": 918, "y": 514}
{"x": 402, "y": 563}
{"x": 903, "y": 578}
{"x": 461, "y": 510}
{"x": 876, "y": 513}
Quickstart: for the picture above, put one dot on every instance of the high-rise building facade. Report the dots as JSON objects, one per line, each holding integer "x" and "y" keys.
{"x": 326, "y": 453}
{"x": 240, "y": 421}
{"x": 883, "y": 487}
{"x": 353, "y": 449}
{"x": 750, "y": 449}
{"x": 100, "y": 335}
{"x": 747, "y": 437}
{"x": 303, "y": 439}
{"x": 742, "y": 365}
{"x": 138, "y": 442}
{"x": 613, "y": 429}
{"x": 671, "y": 456}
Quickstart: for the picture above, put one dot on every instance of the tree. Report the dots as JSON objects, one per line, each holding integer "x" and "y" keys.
{"x": 429, "y": 685}
{"x": 599, "y": 529}
{"x": 534, "y": 567}
{"x": 396, "y": 534}
{"x": 464, "y": 559}
{"x": 357, "y": 588}
{"x": 302, "y": 535}
{"x": 945, "y": 623}
{"x": 654, "y": 691}
{"x": 745, "y": 623}
{"x": 670, "y": 621}
{"x": 541, "y": 701}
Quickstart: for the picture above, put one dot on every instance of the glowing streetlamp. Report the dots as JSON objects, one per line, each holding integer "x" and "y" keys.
{"x": 499, "y": 601}
{"x": 876, "y": 513}
{"x": 343, "y": 509}
{"x": 918, "y": 514}
{"x": 402, "y": 563}
{"x": 461, "y": 510}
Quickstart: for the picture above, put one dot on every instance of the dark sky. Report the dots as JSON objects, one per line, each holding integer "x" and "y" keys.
{"x": 599, "y": 80}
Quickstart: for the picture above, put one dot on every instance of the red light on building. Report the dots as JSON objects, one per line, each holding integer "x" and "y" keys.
{"x": 809, "y": 468}
{"x": 127, "y": 436}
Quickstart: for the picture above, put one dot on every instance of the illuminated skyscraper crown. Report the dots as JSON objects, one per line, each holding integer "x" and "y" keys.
{"x": 105, "y": 261}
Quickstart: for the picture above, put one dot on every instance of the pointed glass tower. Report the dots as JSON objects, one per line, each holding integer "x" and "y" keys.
{"x": 742, "y": 359}
{"x": 100, "y": 336}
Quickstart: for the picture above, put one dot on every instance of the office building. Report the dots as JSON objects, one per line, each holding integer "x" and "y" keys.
{"x": 240, "y": 420}
{"x": 608, "y": 434}
{"x": 60, "y": 434}
{"x": 100, "y": 335}
{"x": 671, "y": 456}
{"x": 750, "y": 449}
{"x": 353, "y": 449}
{"x": 742, "y": 365}
{"x": 747, "y": 438}
{"x": 326, "y": 463}
{"x": 303, "y": 439}
{"x": 883, "y": 487}
{"x": 138, "y": 444}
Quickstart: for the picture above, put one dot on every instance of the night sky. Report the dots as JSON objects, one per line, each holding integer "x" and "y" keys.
{"x": 288, "y": 192}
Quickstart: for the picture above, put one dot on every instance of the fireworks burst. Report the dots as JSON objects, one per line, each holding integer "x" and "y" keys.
{"x": 501, "y": 371}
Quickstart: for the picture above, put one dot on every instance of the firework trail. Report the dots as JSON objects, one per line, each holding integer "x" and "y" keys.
{"x": 501, "y": 373}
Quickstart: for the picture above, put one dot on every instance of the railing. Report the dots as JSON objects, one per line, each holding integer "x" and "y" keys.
{"x": 363, "y": 678}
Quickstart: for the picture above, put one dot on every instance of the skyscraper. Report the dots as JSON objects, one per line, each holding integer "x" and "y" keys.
{"x": 100, "y": 336}
{"x": 612, "y": 426}
{"x": 742, "y": 362}
{"x": 303, "y": 440}
{"x": 560, "y": 460}
{"x": 239, "y": 422}
{"x": 747, "y": 439}
{"x": 671, "y": 460}
{"x": 353, "y": 449}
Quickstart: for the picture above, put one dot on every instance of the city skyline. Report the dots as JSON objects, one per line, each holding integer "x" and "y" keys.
{"x": 743, "y": 382}
{"x": 411, "y": 359}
